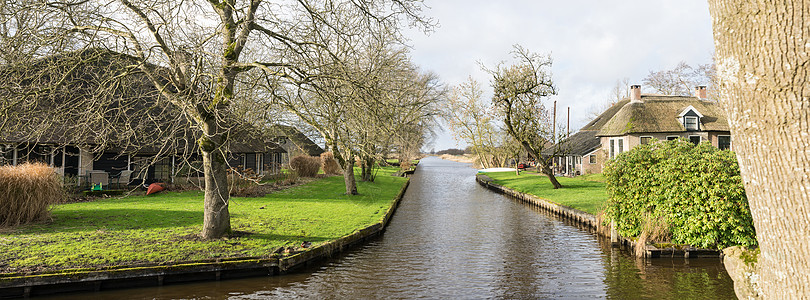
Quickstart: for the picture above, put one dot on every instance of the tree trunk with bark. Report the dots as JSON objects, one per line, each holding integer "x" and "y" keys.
{"x": 346, "y": 162}
{"x": 542, "y": 165}
{"x": 216, "y": 218}
{"x": 348, "y": 179}
{"x": 763, "y": 61}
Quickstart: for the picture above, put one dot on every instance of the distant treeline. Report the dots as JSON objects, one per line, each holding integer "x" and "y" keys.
{"x": 451, "y": 151}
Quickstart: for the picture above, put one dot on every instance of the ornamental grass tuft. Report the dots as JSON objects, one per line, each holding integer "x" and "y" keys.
{"x": 330, "y": 165}
{"x": 27, "y": 193}
{"x": 305, "y": 165}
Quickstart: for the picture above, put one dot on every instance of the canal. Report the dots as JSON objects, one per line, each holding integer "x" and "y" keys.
{"x": 453, "y": 239}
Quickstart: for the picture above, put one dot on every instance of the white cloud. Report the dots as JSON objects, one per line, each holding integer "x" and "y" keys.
{"x": 593, "y": 43}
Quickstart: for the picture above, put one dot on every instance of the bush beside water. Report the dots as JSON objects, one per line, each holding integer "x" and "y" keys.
{"x": 695, "y": 192}
{"x": 27, "y": 193}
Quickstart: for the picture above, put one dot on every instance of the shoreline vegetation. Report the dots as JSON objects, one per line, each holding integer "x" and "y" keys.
{"x": 162, "y": 229}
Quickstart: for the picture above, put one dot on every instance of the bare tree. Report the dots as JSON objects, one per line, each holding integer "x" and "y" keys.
{"x": 194, "y": 53}
{"x": 680, "y": 80}
{"x": 762, "y": 55}
{"x": 471, "y": 119}
{"x": 519, "y": 93}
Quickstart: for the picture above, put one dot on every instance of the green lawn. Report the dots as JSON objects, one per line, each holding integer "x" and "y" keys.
{"x": 585, "y": 195}
{"x": 161, "y": 229}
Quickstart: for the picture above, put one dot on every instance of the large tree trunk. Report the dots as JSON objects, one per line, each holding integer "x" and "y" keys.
{"x": 763, "y": 62}
{"x": 216, "y": 218}
{"x": 544, "y": 168}
{"x": 347, "y": 163}
{"x": 348, "y": 179}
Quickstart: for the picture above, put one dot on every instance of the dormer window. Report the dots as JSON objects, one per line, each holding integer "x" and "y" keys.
{"x": 690, "y": 118}
{"x": 690, "y": 123}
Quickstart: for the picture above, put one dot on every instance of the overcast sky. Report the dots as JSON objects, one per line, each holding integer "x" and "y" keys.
{"x": 593, "y": 43}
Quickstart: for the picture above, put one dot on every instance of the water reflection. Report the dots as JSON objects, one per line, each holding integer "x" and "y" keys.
{"x": 451, "y": 238}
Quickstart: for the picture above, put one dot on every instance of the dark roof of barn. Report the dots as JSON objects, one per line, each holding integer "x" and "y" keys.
{"x": 298, "y": 138}
{"x": 578, "y": 144}
{"x": 151, "y": 124}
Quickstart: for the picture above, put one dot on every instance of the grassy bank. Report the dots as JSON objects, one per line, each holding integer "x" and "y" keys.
{"x": 585, "y": 195}
{"x": 161, "y": 229}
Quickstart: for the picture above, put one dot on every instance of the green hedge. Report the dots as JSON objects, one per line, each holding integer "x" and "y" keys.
{"x": 696, "y": 191}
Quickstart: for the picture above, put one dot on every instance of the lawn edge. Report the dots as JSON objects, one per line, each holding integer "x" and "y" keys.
{"x": 127, "y": 277}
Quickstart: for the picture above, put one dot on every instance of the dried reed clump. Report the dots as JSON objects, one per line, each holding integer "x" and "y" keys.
{"x": 329, "y": 164}
{"x": 655, "y": 229}
{"x": 405, "y": 165}
{"x": 305, "y": 165}
{"x": 27, "y": 193}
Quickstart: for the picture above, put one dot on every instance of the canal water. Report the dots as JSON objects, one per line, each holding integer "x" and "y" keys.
{"x": 453, "y": 239}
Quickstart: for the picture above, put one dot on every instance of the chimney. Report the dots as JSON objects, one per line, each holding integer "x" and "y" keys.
{"x": 635, "y": 93}
{"x": 700, "y": 92}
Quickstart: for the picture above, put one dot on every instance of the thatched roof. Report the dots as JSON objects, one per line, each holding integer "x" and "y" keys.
{"x": 657, "y": 113}
{"x": 102, "y": 100}
{"x": 578, "y": 144}
{"x": 604, "y": 117}
{"x": 298, "y": 138}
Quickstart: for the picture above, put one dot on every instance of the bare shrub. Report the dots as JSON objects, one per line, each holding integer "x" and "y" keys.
{"x": 305, "y": 165}
{"x": 245, "y": 184}
{"x": 27, "y": 193}
{"x": 329, "y": 164}
{"x": 404, "y": 165}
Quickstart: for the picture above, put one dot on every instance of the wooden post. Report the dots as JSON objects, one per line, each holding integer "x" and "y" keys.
{"x": 554, "y": 123}
{"x": 614, "y": 233}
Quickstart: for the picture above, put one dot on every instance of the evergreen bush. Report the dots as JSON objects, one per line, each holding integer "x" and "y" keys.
{"x": 696, "y": 192}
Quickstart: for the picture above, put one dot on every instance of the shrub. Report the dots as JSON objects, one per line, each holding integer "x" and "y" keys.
{"x": 696, "y": 192}
{"x": 329, "y": 164}
{"x": 245, "y": 184}
{"x": 27, "y": 192}
{"x": 305, "y": 165}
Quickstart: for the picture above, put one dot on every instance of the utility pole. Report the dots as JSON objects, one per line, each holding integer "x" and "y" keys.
{"x": 554, "y": 124}
{"x": 568, "y": 127}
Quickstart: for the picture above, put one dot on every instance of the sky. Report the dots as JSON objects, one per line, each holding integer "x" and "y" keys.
{"x": 592, "y": 43}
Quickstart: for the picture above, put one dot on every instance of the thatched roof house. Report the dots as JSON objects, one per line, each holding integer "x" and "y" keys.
{"x": 640, "y": 120}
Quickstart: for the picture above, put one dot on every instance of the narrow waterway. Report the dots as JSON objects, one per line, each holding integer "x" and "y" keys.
{"x": 452, "y": 239}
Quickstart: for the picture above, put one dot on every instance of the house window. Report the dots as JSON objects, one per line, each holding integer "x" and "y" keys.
{"x": 690, "y": 123}
{"x": 616, "y": 147}
{"x": 645, "y": 140}
{"x": 694, "y": 139}
{"x": 724, "y": 142}
{"x": 592, "y": 159}
{"x": 672, "y": 138}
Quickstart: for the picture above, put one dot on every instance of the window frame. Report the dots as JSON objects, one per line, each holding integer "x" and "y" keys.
{"x": 673, "y": 137}
{"x": 592, "y": 159}
{"x": 686, "y": 123}
{"x": 697, "y": 136}
{"x": 729, "y": 141}
{"x": 617, "y": 149}
{"x": 641, "y": 140}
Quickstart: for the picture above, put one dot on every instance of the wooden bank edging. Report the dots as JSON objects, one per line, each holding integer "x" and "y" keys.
{"x": 129, "y": 277}
{"x": 592, "y": 222}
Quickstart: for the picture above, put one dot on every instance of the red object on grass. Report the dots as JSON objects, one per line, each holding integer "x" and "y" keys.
{"x": 154, "y": 188}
